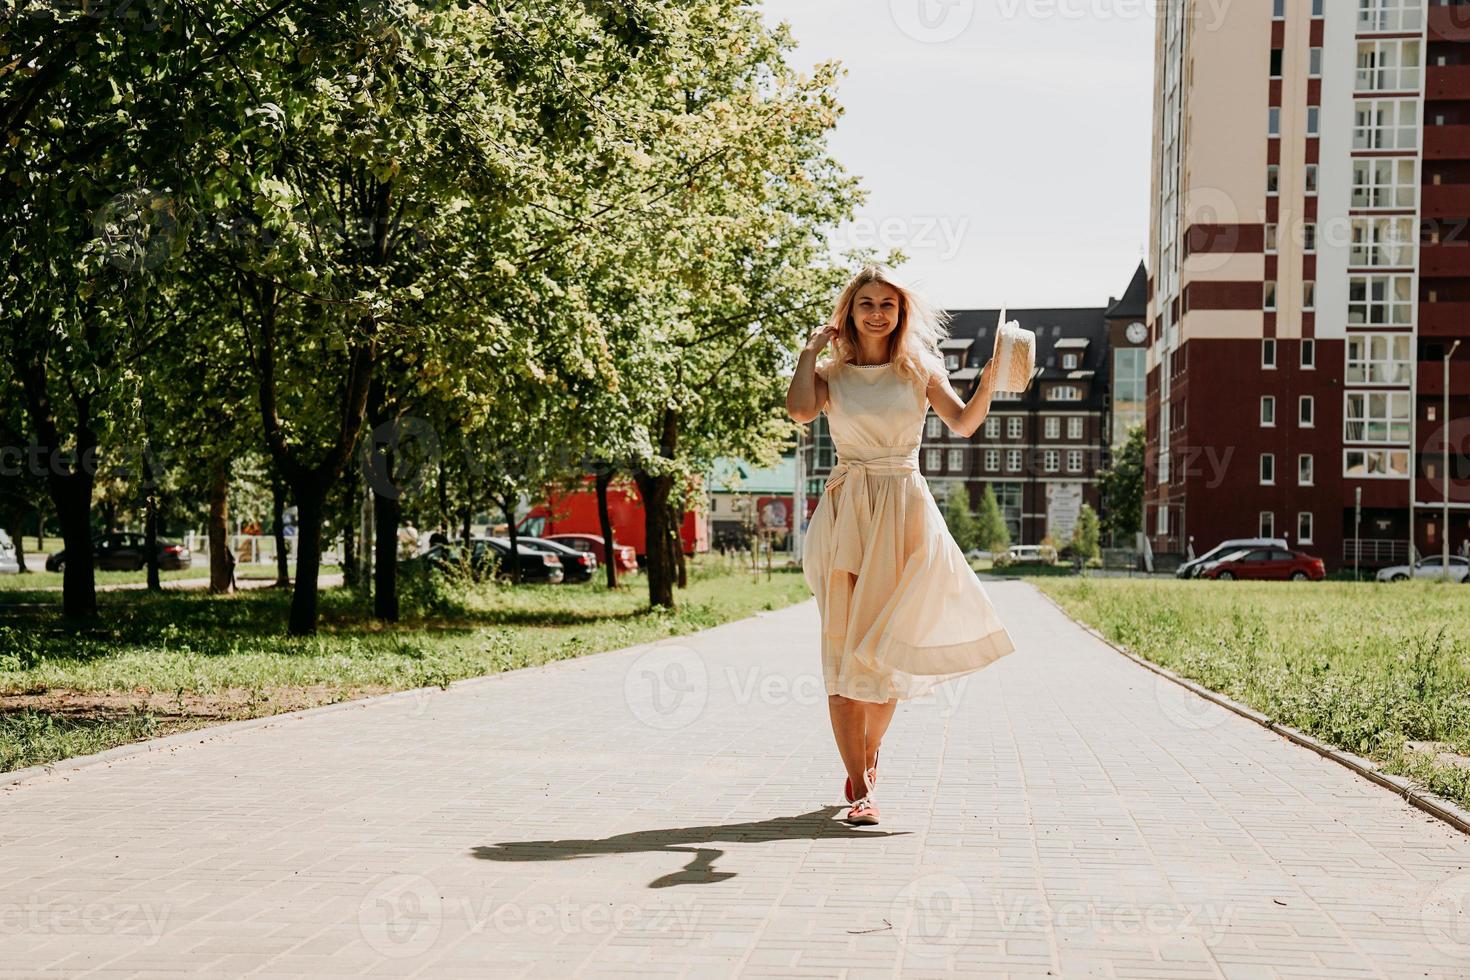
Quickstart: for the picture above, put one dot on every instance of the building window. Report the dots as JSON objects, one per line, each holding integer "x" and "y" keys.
{"x": 1309, "y": 295}
{"x": 992, "y": 428}
{"x": 1275, "y": 63}
{"x": 1382, "y": 241}
{"x": 1384, "y": 183}
{"x": 1304, "y": 528}
{"x": 932, "y": 427}
{"x": 1309, "y": 237}
{"x": 1375, "y": 463}
{"x": 1306, "y": 411}
{"x": 956, "y": 460}
{"x": 1074, "y": 461}
{"x": 1013, "y": 460}
{"x": 1069, "y": 362}
{"x": 1376, "y": 416}
{"x": 1314, "y": 115}
{"x": 1008, "y": 496}
{"x": 992, "y": 460}
{"x": 1053, "y": 427}
{"x": 1065, "y": 393}
{"x": 1268, "y": 410}
{"x": 1278, "y": 9}
{"x": 931, "y": 460}
{"x": 1273, "y": 180}
{"x": 1390, "y": 16}
{"x": 1052, "y": 460}
{"x": 1304, "y": 470}
{"x": 1317, "y": 7}
{"x": 1074, "y": 427}
{"x": 1270, "y": 238}
{"x": 1268, "y": 353}
{"x": 1268, "y": 469}
{"x": 1273, "y": 121}
{"x": 1309, "y": 355}
{"x": 1006, "y": 396}
{"x": 1314, "y": 63}
{"x": 1380, "y": 300}
{"x": 1013, "y": 427}
{"x": 1378, "y": 359}
{"x": 1388, "y": 66}
{"x": 1386, "y": 124}
{"x": 1310, "y": 172}
{"x": 1266, "y": 527}
{"x": 1268, "y": 297}
{"x": 951, "y": 362}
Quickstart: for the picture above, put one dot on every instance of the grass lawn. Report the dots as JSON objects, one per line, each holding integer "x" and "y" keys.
{"x": 38, "y": 579}
{"x": 161, "y": 663}
{"x": 1367, "y": 667}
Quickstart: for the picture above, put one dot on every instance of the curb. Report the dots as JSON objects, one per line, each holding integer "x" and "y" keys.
{"x": 9, "y": 780}
{"x": 1432, "y": 804}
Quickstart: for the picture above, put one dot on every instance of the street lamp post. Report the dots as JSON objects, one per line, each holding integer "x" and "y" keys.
{"x": 1444, "y": 566}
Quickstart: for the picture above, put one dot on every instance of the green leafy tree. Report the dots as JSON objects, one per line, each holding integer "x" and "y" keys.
{"x": 1121, "y": 487}
{"x": 963, "y": 526}
{"x": 992, "y": 533}
{"x": 1085, "y": 535}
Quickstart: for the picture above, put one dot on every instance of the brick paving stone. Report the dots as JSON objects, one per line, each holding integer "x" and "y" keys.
{"x": 668, "y": 810}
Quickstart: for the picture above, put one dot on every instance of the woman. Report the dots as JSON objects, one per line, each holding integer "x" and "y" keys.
{"x": 901, "y": 609}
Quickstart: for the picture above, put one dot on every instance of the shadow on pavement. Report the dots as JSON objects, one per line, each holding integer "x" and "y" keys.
{"x": 815, "y": 825}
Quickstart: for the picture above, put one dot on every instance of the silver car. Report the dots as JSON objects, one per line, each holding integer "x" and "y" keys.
{"x": 1427, "y": 568}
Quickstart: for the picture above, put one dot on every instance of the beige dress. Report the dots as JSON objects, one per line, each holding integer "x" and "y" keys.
{"x": 901, "y": 609}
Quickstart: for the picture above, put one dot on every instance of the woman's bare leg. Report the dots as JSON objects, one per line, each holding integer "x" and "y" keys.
{"x": 879, "y": 717}
{"x": 849, "y": 720}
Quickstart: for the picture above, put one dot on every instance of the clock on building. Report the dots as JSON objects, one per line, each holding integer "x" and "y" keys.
{"x": 1136, "y": 333}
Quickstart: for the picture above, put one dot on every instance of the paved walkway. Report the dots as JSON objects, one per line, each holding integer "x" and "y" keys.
{"x": 669, "y": 811}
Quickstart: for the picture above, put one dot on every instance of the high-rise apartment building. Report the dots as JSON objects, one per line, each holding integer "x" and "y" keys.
{"x": 1310, "y": 247}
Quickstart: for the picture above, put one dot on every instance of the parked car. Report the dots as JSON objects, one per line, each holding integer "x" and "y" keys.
{"x": 1429, "y": 568}
{"x": 536, "y": 565}
{"x": 627, "y": 554}
{"x": 1193, "y": 567}
{"x": 577, "y": 564}
{"x": 451, "y": 558}
{"x": 128, "y": 553}
{"x": 1031, "y": 554}
{"x": 9, "y": 564}
{"x": 1267, "y": 564}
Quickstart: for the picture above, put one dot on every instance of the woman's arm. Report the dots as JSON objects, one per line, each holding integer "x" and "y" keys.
{"x": 961, "y": 418}
{"x": 807, "y": 395}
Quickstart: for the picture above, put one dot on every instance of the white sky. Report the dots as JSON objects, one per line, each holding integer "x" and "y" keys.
{"x": 1004, "y": 144}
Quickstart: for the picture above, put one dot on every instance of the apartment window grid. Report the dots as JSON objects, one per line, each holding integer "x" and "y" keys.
{"x": 1268, "y": 469}
{"x": 1309, "y": 354}
{"x": 1052, "y": 460}
{"x": 1379, "y": 359}
{"x": 1381, "y": 300}
{"x": 1270, "y": 238}
{"x": 931, "y": 460}
{"x": 1273, "y": 180}
{"x": 1309, "y": 294}
{"x": 956, "y": 460}
{"x": 1268, "y": 353}
{"x": 1304, "y": 467}
{"x": 1266, "y": 526}
{"x": 1074, "y": 461}
{"x": 1381, "y": 183}
{"x": 1074, "y": 427}
{"x": 1304, "y": 527}
{"x": 1013, "y": 460}
{"x": 1386, "y": 124}
{"x": 1390, "y": 16}
{"x": 1268, "y": 295}
{"x": 1053, "y": 427}
{"x": 1376, "y": 416}
{"x": 1306, "y": 411}
{"x": 932, "y": 427}
{"x": 1375, "y": 464}
{"x": 1268, "y": 410}
{"x": 1309, "y": 179}
{"x": 1378, "y": 242}
{"x": 992, "y": 428}
{"x": 1392, "y": 65}
{"x": 992, "y": 460}
{"x": 1013, "y": 427}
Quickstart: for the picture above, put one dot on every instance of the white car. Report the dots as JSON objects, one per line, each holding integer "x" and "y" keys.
{"x": 8, "y": 563}
{"x": 1427, "y": 568}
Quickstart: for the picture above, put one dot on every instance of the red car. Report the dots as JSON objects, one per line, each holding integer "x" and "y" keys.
{"x": 627, "y": 555}
{"x": 1268, "y": 564}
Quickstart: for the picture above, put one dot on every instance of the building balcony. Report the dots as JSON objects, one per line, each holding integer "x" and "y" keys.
{"x": 1445, "y": 258}
{"x": 1444, "y": 319}
{"x": 1449, "y": 22}
{"x": 1446, "y": 142}
{"x": 1448, "y": 82}
{"x": 1445, "y": 201}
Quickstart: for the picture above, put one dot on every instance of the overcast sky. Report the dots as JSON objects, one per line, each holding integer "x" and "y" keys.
{"x": 1004, "y": 144}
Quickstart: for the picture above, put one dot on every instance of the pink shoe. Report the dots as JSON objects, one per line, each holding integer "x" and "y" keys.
{"x": 863, "y": 811}
{"x": 872, "y": 778}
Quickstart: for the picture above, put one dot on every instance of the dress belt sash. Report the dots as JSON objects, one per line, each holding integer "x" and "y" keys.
{"x": 852, "y": 522}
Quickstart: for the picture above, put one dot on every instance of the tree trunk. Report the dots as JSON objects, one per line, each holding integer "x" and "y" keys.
{"x": 510, "y": 524}
{"x": 72, "y": 495}
{"x": 352, "y": 524}
{"x": 385, "y": 555}
{"x": 676, "y": 541}
{"x": 150, "y": 540}
{"x": 278, "y": 521}
{"x": 20, "y": 548}
{"x": 40, "y": 528}
{"x": 221, "y": 576}
{"x": 309, "y": 494}
{"x": 468, "y": 516}
{"x": 604, "y": 522}
{"x": 654, "y": 490}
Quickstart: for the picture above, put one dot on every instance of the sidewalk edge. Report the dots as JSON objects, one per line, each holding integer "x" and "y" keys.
{"x": 1431, "y": 803}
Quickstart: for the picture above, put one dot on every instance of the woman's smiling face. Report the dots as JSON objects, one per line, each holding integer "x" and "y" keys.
{"x": 875, "y": 310}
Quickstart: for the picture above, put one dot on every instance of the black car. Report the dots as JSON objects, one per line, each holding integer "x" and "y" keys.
{"x": 577, "y": 566}
{"x": 127, "y": 553}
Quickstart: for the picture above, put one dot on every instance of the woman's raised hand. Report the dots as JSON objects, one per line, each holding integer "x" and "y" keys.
{"x": 821, "y": 337}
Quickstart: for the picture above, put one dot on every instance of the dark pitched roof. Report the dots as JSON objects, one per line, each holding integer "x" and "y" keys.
{"x": 1050, "y": 325}
{"x": 1134, "y": 302}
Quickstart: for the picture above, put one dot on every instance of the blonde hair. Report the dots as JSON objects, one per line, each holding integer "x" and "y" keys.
{"x": 913, "y": 346}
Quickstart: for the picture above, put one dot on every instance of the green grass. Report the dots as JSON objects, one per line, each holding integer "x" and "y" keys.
{"x": 156, "y": 663}
{"x": 38, "y": 579}
{"x": 1367, "y": 667}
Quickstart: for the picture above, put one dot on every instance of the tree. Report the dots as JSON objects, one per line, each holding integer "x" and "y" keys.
{"x": 992, "y": 533}
{"x": 1085, "y": 535}
{"x": 962, "y": 524}
{"x": 1121, "y": 487}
